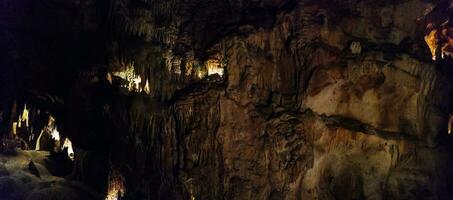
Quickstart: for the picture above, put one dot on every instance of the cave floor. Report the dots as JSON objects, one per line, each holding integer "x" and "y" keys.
{"x": 20, "y": 180}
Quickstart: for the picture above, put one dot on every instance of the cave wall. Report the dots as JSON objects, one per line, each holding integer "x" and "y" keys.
{"x": 317, "y": 99}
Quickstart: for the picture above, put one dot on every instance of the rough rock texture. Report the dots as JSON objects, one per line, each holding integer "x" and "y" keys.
{"x": 18, "y": 182}
{"x": 309, "y": 99}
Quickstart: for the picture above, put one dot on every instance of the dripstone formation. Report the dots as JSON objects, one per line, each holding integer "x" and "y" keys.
{"x": 238, "y": 99}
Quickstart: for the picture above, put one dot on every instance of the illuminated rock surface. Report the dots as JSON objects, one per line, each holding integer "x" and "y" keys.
{"x": 237, "y": 100}
{"x": 18, "y": 182}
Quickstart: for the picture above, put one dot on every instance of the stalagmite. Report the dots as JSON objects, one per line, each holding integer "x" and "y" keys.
{"x": 146, "y": 88}
{"x": 115, "y": 187}
{"x": 68, "y": 144}
{"x": 23, "y": 118}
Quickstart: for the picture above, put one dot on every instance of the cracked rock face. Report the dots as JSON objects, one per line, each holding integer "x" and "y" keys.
{"x": 246, "y": 99}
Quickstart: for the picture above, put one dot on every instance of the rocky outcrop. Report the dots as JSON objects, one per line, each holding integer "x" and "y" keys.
{"x": 26, "y": 175}
{"x": 267, "y": 99}
{"x": 305, "y": 118}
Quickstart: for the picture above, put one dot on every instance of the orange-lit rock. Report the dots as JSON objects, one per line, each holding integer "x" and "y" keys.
{"x": 431, "y": 41}
{"x": 115, "y": 187}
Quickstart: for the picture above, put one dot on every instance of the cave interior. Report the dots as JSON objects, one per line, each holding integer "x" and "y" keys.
{"x": 226, "y": 99}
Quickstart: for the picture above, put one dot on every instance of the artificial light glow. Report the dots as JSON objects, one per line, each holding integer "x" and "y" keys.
{"x": 214, "y": 67}
{"x": 440, "y": 39}
{"x": 49, "y": 129}
{"x": 132, "y": 78}
{"x": 200, "y": 74}
{"x": 23, "y": 117}
{"x": 68, "y": 144}
{"x": 136, "y": 83}
{"x": 430, "y": 40}
{"x": 55, "y": 134}
{"x": 116, "y": 188}
{"x": 129, "y": 75}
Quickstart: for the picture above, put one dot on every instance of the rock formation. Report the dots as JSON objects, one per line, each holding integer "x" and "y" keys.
{"x": 238, "y": 99}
